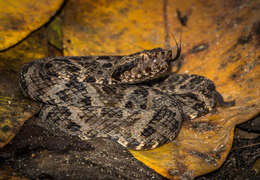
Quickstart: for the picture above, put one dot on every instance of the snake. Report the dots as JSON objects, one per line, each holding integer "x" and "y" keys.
{"x": 134, "y": 100}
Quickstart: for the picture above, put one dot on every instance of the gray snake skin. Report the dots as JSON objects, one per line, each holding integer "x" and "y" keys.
{"x": 133, "y": 100}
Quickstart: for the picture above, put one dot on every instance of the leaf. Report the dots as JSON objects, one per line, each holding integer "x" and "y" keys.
{"x": 20, "y": 18}
{"x": 34, "y": 47}
{"x": 112, "y": 27}
{"x": 13, "y": 113}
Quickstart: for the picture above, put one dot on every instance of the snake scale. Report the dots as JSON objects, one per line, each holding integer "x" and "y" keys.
{"x": 134, "y": 100}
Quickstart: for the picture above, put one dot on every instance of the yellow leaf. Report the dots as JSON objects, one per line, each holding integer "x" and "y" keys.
{"x": 13, "y": 113}
{"x": 34, "y": 47}
{"x": 112, "y": 27}
{"x": 19, "y": 18}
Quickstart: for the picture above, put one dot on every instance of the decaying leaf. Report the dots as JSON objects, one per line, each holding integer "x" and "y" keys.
{"x": 34, "y": 47}
{"x": 112, "y": 27}
{"x": 20, "y": 18}
{"x": 13, "y": 113}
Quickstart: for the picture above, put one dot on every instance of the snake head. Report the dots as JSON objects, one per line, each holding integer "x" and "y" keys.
{"x": 146, "y": 65}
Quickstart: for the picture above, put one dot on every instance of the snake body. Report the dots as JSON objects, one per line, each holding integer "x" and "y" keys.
{"x": 133, "y": 100}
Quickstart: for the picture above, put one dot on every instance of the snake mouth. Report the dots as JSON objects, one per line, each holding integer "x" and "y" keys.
{"x": 122, "y": 69}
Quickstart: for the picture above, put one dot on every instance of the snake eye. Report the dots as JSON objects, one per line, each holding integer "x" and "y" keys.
{"x": 162, "y": 53}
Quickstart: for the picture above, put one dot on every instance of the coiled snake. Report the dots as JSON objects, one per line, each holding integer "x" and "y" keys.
{"x": 133, "y": 100}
